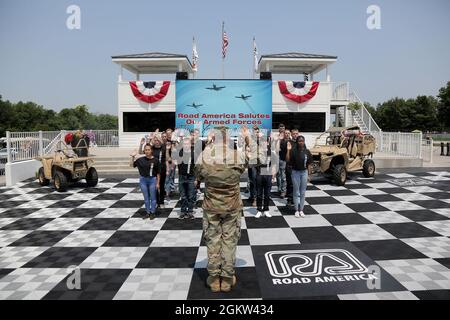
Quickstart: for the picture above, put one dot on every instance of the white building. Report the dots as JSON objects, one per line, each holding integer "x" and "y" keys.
{"x": 325, "y": 109}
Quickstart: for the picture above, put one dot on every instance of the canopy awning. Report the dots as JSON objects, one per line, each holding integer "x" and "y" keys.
{"x": 294, "y": 63}
{"x": 154, "y": 63}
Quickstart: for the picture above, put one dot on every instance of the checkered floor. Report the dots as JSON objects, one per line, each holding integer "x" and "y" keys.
{"x": 400, "y": 221}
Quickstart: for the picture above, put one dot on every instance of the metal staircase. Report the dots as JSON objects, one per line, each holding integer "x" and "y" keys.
{"x": 361, "y": 117}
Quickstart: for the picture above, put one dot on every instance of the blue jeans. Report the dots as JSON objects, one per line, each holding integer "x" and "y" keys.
{"x": 188, "y": 192}
{"x": 281, "y": 176}
{"x": 299, "y": 183}
{"x": 148, "y": 188}
{"x": 169, "y": 185}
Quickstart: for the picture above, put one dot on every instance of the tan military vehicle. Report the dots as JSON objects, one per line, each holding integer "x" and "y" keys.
{"x": 345, "y": 150}
{"x": 67, "y": 165}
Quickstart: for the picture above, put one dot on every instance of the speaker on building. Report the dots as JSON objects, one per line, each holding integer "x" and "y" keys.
{"x": 182, "y": 76}
{"x": 265, "y": 75}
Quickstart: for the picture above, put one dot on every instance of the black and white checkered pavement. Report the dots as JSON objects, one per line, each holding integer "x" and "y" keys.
{"x": 398, "y": 222}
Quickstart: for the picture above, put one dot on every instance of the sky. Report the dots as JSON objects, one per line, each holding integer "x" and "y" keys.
{"x": 43, "y": 61}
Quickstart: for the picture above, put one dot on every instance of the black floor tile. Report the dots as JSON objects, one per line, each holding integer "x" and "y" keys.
{"x": 27, "y": 224}
{"x": 319, "y": 235}
{"x": 60, "y": 257}
{"x": 408, "y": 230}
{"x": 131, "y": 239}
{"x": 103, "y": 224}
{"x": 340, "y": 219}
{"x": 40, "y": 238}
{"x": 169, "y": 257}
{"x": 264, "y": 222}
{"x": 185, "y": 224}
{"x": 392, "y": 249}
{"x": 96, "y": 284}
{"x": 422, "y": 215}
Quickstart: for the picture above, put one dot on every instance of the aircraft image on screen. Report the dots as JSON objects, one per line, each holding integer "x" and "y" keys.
{"x": 194, "y": 105}
{"x": 215, "y": 87}
{"x": 243, "y": 97}
{"x": 204, "y": 104}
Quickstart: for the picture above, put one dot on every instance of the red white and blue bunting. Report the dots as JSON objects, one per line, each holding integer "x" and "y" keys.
{"x": 149, "y": 91}
{"x": 298, "y": 91}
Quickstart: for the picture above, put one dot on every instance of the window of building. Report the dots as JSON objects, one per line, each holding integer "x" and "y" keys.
{"x": 304, "y": 121}
{"x": 147, "y": 121}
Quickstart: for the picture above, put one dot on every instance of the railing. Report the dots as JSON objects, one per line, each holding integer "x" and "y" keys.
{"x": 2, "y": 166}
{"x": 399, "y": 143}
{"x": 104, "y": 138}
{"x": 26, "y": 145}
{"x": 29, "y": 145}
{"x": 364, "y": 115}
{"x": 339, "y": 91}
{"x": 427, "y": 150}
{"x": 50, "y": 146}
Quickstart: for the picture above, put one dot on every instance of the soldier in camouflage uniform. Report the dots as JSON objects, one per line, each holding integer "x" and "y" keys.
{"x": 220, "y": 167}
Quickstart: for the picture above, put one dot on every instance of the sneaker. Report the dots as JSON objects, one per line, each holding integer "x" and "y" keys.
{"x": 151, "y": 216}
{"x": 190, "y": 215}
{"x": 297, "y": 214}
{"x": 259, "y": 214}
{"x": 302, "y": 214}
{"x": 267, "y": 214}
{"x": 182, "y": 216}
{"x": 146, "y": 216}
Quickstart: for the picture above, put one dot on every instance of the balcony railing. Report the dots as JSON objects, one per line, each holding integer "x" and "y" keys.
{"x": 29, "y": 145}
{"x": 340, "y": 91}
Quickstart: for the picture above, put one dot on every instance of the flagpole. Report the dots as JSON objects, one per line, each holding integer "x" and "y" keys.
{"x": 223, "y": 58}
{"x": 253, "y": 60}
{"x": 193, "y": 43}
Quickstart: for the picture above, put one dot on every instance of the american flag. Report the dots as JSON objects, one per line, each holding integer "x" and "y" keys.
{"x": 224, "y": 43}
{"x": 194, "y": 56}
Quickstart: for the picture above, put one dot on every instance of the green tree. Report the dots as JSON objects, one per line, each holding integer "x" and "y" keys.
{"x": 444, "y": 107}
{"x": 425, "y": 113}
{"x": 104, "y": 122}
{"x": 393, "y": 115}
{"x": 28, "y": 116}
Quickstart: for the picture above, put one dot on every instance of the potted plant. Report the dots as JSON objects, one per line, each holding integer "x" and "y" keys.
{"x": 353, "y": 106}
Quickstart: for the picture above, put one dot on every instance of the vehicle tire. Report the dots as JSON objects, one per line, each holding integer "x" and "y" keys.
{"x": 339, "y": 174}
{"x": 92, "y": 177}
{"x": 60, "y": 181}
{"x": 43, "y": 181}
{"x": 368, "y": 168}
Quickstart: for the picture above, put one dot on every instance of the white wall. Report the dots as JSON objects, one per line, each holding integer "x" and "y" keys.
{"x": 19, "y": 171}
{"x": 128, "y": 103}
